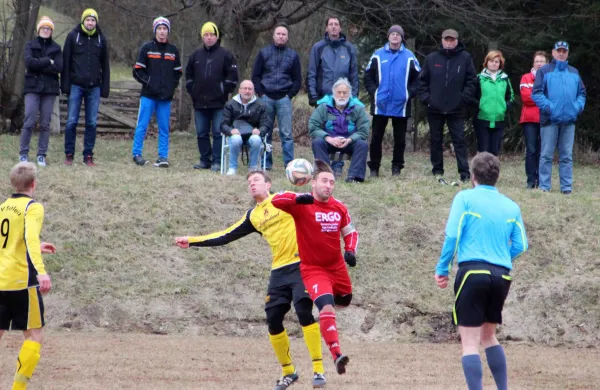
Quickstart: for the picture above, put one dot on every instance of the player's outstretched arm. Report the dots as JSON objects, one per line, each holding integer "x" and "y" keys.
{"x": 47, "y": 248}
{"x": 241, "y": 228}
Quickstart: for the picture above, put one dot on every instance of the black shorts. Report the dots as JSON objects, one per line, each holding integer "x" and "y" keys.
{"x": 285, "y": 287}
{"x": 481, "y": 289}
{"x": 21, "y": 310}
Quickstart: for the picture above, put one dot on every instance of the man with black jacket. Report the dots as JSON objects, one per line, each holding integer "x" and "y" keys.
{"x": 211, "y": 75}
{"x": 158, "y": 69}
{"x": 447, "y": 86}
{"x": 85, "y": 76}
{"x": 277, "y": 78}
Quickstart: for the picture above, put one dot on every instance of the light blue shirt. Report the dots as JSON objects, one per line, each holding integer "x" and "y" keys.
{"x": 483, "y": 225}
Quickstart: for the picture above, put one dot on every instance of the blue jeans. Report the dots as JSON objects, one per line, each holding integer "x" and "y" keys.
{"x": 552, "y": 136}
{"x": 283, "y": 109}
{"x": 531, "y": 131}
{"x": 235, "y": 145}
{"x": 358, "y": 151}
{"x": 205, "y": 120}
{"x": 91, "y": 97}
{"x": 162, "y": 110}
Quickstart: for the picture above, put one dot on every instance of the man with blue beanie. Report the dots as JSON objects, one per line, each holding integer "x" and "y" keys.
{"x": 485, "y": 231}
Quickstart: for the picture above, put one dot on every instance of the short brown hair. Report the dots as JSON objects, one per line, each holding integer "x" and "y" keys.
{"x": 22, "y": 176}
{"x": 541, "y": 53}
{"x": 320, "y": 167}
{"x": 259, "y": 172}
{"x": 494, "y": 54}
{"x": 333, "y": 17}
{"x": 485, "y": 168}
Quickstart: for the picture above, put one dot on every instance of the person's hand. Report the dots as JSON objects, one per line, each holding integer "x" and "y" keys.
{"x": 442, "y": 281}
{"x": 335, "y": 142}
{"x": 255, "y": 131}
{"x": 235, "y": 132}
{"x": 48, "y": 248}
{"x": 345, "y": 142}
{"x": 182, "y": 242}
{"x": 350, "y": 258}
{"x": 45, "y": 283}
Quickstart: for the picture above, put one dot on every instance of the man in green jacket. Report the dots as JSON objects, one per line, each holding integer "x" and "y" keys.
{"x": 341, "y": 124}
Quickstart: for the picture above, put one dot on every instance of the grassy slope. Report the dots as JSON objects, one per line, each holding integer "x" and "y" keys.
{"x": 117, "y": 268}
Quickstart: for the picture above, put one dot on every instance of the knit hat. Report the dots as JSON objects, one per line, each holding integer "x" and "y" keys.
{"x": 396, "y": 29}
{"x": 89, "y": 12}
{"x": 209, "y": 27}
{"x": 45, "y": 22}
{"x": 161, "y": 20}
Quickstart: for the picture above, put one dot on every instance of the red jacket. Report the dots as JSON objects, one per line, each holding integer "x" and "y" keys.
{"x": 530, "y": 112}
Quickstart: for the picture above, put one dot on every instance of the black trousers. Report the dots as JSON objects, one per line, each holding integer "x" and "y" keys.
{"x": 379, "y": 124}
{"x": 456, "y": 125}
{"x": 488, "y": 139}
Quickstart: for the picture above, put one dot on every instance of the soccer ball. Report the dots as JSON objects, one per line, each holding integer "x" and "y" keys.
{"x": 299, "y": 171}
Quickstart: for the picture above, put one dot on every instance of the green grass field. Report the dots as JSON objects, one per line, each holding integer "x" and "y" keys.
{"x": 117, "y": 268}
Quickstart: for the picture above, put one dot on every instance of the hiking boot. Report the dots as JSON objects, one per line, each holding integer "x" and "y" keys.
{"x": 89, "y": 161}
{"x": 337, "y": 172}
{"x": 286, "y": 381}
{"x": 138, "y": 160}
{"x": 567, "y": 192}
{"x": 374, "y": 172}
{"x": 396, "y": 170}
{"x": 69, "y": 159}
{"x": 215, "y": 168}
{"x": 202, "y": 165}
{"x": 231, "y": 172}
{"x": 340, "y": 364}
{"x": 352, "y": 179}
{"x": 161, "y": 163}
{"x": 41, "y": 161}
{"x": 319, "y": 381}
{"x": 23, "y": 158}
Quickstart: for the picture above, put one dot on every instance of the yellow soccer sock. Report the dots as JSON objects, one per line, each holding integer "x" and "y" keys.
{"x": 281, "y": 346}
{"x": 29, "y": 356}
{"x": 312, "y": 338}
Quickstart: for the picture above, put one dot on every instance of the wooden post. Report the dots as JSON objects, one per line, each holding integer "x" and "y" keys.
{"x": 55, "y": 120}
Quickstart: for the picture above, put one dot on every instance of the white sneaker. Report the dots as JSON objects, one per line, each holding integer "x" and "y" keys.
{"x": 41, "y": 161}
{"x": 23, "y": 158}
{"x": 231, "y": 172}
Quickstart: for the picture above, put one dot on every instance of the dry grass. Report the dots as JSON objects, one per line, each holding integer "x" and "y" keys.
{"x": 117, "y": 268}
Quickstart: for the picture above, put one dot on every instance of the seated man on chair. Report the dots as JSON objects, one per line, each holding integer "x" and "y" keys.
{"x": 245, "y": 120}
{"x": 341, "y": 124}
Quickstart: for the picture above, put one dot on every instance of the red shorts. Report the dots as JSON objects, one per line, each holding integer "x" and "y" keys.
{"x": 322, "y": 281}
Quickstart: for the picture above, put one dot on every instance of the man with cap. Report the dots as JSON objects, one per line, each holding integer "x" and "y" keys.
{"x": 85, "y": 76}
{"x": 158, "y": 69}
{"x": 391, "y": 78}
{"x": 211, "y": 75}
{"x": 43, "y": 63}
{"x": 447, "y": 85}
{"x": 330, "y": 59}
{"x": 277, "y": 78}
{"x": 560, "y": 94}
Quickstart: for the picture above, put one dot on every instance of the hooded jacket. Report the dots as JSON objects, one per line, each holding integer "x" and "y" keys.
{"x": 277, "y": 72}
{"x": 158, "y": 69}
{"x": 86, "y": 61}
{"x": 559, "y": 93}
{"x": 530, "y": 113}
{"x": 495, "y": 97}
{"x": 448, "y": 80}
{"x": 41, "y": 76}
{"x": 392, "y": 78}
{"x": 211, "y": 75}
{"x": 254, "y": 113}
{"x": 328, "y": 61}
{"x": 327, "y": 120}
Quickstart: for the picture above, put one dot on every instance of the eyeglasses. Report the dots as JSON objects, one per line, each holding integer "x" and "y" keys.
{"x": 45, "y": 28}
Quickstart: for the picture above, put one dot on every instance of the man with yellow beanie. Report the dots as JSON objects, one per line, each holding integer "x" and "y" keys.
{"x": 85, "y": 76}
{"x": 211, "y": 75}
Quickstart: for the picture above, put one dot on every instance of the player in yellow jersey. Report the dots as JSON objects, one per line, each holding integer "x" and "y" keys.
{"x": 23, "y": 277}
{"x": 285, "y": 283}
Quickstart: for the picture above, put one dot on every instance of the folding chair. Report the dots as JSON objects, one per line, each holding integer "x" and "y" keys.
{"x": 225, "y": 152}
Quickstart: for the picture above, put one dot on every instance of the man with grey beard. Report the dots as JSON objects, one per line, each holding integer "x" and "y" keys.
{"x": 341, "y": 124}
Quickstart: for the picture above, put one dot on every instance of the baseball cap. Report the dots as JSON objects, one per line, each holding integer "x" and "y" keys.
{"x": 450, "y": 33}
{"x": 561, "y": 45}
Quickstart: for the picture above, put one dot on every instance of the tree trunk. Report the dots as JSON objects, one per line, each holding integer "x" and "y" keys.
{"x": 26, "y": 12}
{"x": 242, "y": 45}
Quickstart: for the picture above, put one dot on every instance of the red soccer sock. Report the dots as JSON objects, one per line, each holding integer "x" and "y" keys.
{"x": 330, "y": 333}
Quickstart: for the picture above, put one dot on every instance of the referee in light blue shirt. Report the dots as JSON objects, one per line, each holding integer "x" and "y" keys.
{"x": 485, "y": 230}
